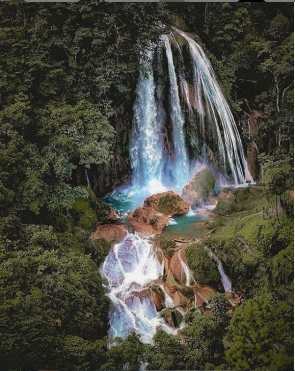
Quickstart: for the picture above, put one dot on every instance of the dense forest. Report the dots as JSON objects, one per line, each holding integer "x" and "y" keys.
{"x": 68, "y": 81}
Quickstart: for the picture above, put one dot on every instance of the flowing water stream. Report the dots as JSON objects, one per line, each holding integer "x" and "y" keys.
{"x": 169, "y": 95}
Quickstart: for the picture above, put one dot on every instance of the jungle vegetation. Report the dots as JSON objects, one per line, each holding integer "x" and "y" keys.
{"x": 68, "y": 76}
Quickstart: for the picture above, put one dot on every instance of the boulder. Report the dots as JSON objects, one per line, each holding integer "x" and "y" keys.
{"x": 154, "y": 215}
{"x": 109, "y": 232}
{"x": 200, "y": 188}
{"x": 168, "y": 203}
{"x": 112, "y": 216}
{"x": 146, "y": 220}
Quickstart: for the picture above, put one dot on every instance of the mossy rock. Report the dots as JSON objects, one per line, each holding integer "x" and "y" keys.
{"x": 167, "y": 245}
{"x": 168, "y": 203}
{"x": 201, "y": 264}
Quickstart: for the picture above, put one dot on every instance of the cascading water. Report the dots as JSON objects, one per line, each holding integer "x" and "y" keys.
{"x": 171, "y": 95}
{"x": 129, "y": 267}
{"x": 146, "y": 150}
{"x": 180, "y": 163}
{"x": 210, "y": 101}
{"x": 153, "y": 167}
{"x": 225, "y": 280}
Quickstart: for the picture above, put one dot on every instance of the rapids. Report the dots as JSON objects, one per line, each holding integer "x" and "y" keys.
{"x": 129, "y": 267}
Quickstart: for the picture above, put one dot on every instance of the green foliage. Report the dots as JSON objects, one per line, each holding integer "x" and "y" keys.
{"x": 47, "y": 295}
{"x": 235, "y": 200}
{"x": 81, "y": 354}
{"x": 247, "y": 236}
{"x": 259, "y": 335}
{"x": 77, "y": 135}
{"x": 203, "y": 183}
{"x": 84, "y": 214}
{"x": 167, "y": 245}
{"x": 170, "y": 204}
{"x": 166, "y": 353}
{"x": 68, "y": 76}
{"x": 219, "y": 306}
{"x": 203, "y": 343}
{"x": 280, "y": 278}
{"x": 276, "y": 176}
{"x": 126, "y": 354}
{"x": 201, "y": 264}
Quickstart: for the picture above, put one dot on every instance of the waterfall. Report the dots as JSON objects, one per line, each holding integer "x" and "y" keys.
{"x": 168, "y": 300}
{"x": 146, "y": 150}
{"x": 185, "y": 270}
{"x": 156, "y": 167}
{"x": 180, "y": 162}
{"x": 225, "y": 280}
{"x": 209, "y": 98}
{"x": 173, "y": 98}
{"x": 129, "y": 267}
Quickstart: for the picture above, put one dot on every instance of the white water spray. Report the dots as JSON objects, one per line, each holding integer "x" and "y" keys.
{"x": 129, "y": 267}
{"x": 210, "y": 100}
{"x": 146, "y": 150}
{"x": 180, "y": 162}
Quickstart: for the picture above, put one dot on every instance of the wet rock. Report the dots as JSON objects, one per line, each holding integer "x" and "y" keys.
{"x": 146, "y": 220}
{"x": 109, "y": 232}
{"x": 157, "y": 297}
{"x": 180, "y": 271}
{"x": 168, "y": 203}
{"x": 112, "y": 216}
{"x": 179, "y": 299}
{"x": 200, "y": 188}
{"x": 179, "y": 294}
{"x": 172, "y": 317}
{"x": 176, "y": 268}
{"x": 202, "y": 295}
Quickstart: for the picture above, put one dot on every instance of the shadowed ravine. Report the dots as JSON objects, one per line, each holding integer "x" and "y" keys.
{"x": 138, "y": 276}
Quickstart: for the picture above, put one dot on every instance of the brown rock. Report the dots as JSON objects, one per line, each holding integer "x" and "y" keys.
{"x": 112, "y": 216}
{"x": 203, "y": 294}
{"x": 157, "y": 296}
{"x": 176, "y": 266}
{"x": 179, "y": 299}
{"x": 109, "y": 232}
{"x": 172, "y": 317}
{"x": 252, "y": 160}
{"x": 168, "y": 203}
{"x": 145, "y": 220}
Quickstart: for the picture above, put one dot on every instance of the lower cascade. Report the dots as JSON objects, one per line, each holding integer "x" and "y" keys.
{"x": 177, "y": 93}
{"x": 129, "y": 268}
